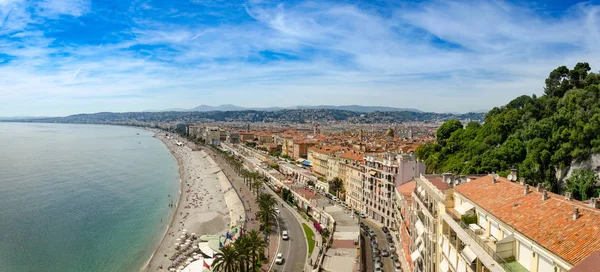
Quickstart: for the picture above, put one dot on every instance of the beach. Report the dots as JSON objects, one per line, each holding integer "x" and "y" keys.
{"x": 207, "y": 204}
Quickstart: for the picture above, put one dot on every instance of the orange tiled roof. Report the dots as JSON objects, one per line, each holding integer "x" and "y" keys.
{"x": 352, "y": 155}
{"x": 406, "y": 189}
{"x": 548, "y": 222}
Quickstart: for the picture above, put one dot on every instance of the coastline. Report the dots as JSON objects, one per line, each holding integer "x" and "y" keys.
{"x": 175, "y": 209}
{"x": 201, "y": 206}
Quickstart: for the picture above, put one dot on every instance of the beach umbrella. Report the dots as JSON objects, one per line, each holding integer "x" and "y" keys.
{"x": 182, "y": 236}
{"x": 184, "y": 230}
{"x": 178, "y": 239}
{"x": 195, "y": 247}
{"x": 197, "y": 257}
{"x": 172, "y": 269}
{"x": 188, "y": 240}
{"x": 190, "y": 259}
{"x": 193, "y": 234}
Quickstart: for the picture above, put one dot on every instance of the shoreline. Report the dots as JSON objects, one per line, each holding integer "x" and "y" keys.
{"x": 206, "y": 205}
{"x": 177, "y": 203}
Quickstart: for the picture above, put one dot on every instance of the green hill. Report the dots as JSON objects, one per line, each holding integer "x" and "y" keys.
{"x": 538, "y": 135}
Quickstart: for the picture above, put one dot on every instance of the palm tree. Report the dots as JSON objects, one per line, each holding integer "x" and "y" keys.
{"x": 227, "y": 260}
{"x": 266, "y": 213}
{"x": 257, "y": 247}
{"x": 256, "y": 185}
{"x": 242, "y": 246}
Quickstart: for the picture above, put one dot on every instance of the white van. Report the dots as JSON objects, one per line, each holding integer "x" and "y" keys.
{"x": 284, "y": 235}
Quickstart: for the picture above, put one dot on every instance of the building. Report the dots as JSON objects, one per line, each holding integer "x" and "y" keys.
{"x": 351, "y": 169}
{"x": 300, "y": 149}
{"x": 429, "y": 199}
{"x": 517, "y": 228}
{"x": 402, "y": 219}
{"x": 319, "y": 157}
{"x": 212, "y": 135}
{"x": 382, "y": 172}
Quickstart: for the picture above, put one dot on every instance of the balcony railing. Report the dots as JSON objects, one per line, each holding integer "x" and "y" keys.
{"x": 491, "y": 252}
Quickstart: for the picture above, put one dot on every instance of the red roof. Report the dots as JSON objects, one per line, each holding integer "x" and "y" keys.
{"x": 547, "y": 222}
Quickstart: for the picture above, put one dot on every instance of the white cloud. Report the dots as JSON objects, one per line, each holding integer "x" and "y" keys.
{"x": 342, "y": 54}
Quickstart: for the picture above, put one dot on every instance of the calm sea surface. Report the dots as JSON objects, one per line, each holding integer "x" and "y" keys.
{"x": 82, "y": 197}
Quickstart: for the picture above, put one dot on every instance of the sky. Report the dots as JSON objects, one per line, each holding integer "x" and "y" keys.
{"x": 61, "y": 57}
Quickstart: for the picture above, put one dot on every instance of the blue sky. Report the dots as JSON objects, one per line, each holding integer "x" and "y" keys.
{"x": 60, "y": 57}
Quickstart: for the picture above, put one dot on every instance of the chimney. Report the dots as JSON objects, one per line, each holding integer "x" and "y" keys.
{"x": 539, "y": 188}
{"x": 493, "y": 179}
{"x": 544, "y": 195}
{"x": 595, "y": 203}
{"x": 522, "y": 181}
{"x": 576, "y": 213}
{"x": 568, "y": 196}
{"x": 526, "y": 189}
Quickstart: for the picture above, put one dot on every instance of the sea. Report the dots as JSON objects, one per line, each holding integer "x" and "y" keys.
{"x": 82, "y": 198}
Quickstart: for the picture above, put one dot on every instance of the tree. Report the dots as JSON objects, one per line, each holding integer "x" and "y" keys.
{"x": 336, "y": 185}
{"x": 227, "y": 260}
{"x": 266, "y": 213}
{"x": 445, "y": 130}
{"x": 582, "y": 184}
{"x": 256, "y": 246}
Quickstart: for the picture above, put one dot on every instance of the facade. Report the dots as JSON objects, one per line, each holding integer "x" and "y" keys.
{"x": 381, "y": 174}
{"x": 300, "y": 149}
{"x": 212, "y": 135}
{"x": 402, "y": 219}
{"x": 429, "y": 199}
{"x": 519, "y": 227}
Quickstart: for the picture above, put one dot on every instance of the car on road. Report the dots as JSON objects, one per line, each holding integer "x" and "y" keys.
{"x": 285, "y": 235}
{"x": 392, "y": 248}
{"x": 385, "y": 252}
{"x": 371, "y": 233}
{"x": 388, "y": 236}
{"x": 279, "y": 258}
{"x": 362, "y": 215}
{"x": 385, "y": 229}
{"x": 362, "y": 225}
{"x": 397, "y": 267}
{"x": 277, "y": 210}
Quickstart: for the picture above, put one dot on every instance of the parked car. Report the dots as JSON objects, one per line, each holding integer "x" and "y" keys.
{"x": 392, "y": 248}
{"x": 362, "y": 215}
{"x": 397, "y": 267}
{"x": 385, "y": 253}
{"x": 385, "y": 229}
{"x": 378, "y": 267}
{"x": 371, "y": 234}
{"x": 388, "y": 236}
{"x": 390, "y": 241}
{"x": 279, "y": 258}
{"x": 285, "y": 235}
{"x": 362, "y": 225}
{"x": 277, "y": 210}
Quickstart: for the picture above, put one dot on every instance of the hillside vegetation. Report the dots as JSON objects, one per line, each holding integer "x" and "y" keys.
{"x": 538, "y": 135}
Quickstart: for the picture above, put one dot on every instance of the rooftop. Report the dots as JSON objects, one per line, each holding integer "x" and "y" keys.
{"x": 547, "y": 222}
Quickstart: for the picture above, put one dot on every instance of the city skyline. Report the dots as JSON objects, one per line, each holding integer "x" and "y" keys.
{"x": 74, "y": 56}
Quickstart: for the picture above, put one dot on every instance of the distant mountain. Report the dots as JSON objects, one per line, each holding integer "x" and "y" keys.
{"x": 358, "y": 108}
{"x": 285, "y": 116}
{"x": 355, "y": 108}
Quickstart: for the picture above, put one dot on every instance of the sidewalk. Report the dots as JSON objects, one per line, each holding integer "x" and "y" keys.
{"x": 249, "y": 201}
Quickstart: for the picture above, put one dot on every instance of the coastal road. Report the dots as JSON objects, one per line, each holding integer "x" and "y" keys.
{"x": 294, "y": 249}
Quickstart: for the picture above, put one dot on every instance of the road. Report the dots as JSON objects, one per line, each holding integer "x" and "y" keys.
{"x": 388, "y": 263}
{"x": 294, "y": 250}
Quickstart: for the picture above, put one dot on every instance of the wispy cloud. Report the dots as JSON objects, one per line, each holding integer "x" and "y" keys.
{"x": 68, "y": 56}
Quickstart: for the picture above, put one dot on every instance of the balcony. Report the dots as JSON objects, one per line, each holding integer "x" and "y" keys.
{"x": 485, "y": 248}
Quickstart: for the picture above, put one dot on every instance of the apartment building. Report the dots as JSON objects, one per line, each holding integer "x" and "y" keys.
{"x": 431, "y": 195}
{"x": 517, "y": 228}
{"x": 350, "y": 169}
{"x": 212, "y": 135}
{"x": 319, "y": 157}
{"x": 402, "y": 219}
{"x": 382, "y": 172}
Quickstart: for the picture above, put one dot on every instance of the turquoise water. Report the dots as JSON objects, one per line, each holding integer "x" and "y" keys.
{"x": 82, "y": 197}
